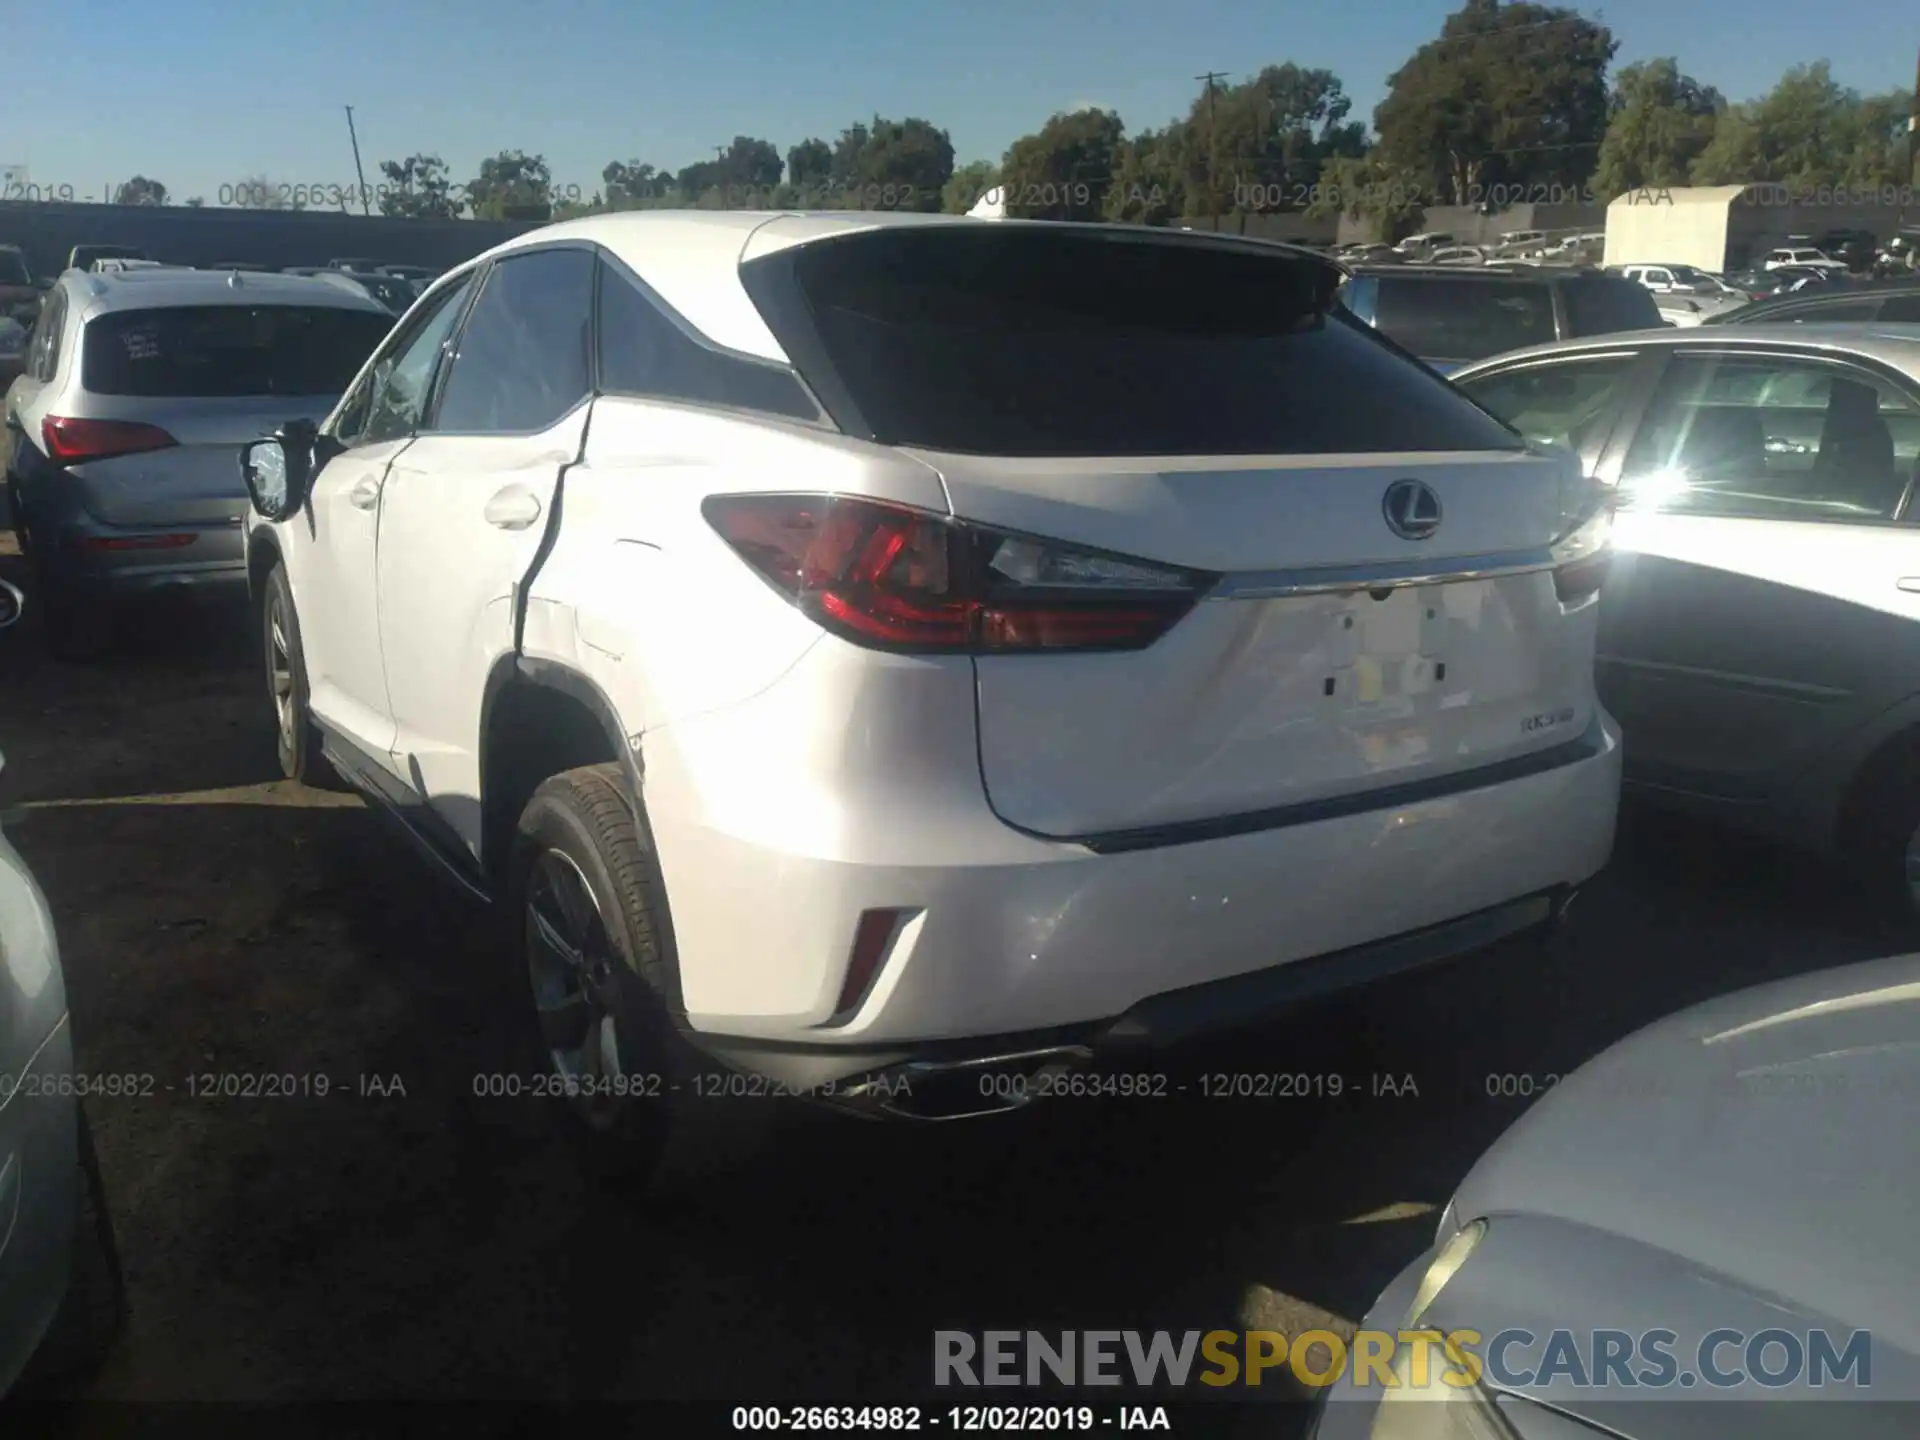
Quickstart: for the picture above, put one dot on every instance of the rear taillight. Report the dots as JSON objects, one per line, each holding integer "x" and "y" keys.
{"x": 1582, "y": 556}
{"x": 69, "y": 441}
{"x": 892, "y": 578}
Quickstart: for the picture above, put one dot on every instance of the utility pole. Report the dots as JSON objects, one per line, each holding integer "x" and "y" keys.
{"x": 365, "y": 209}
{"x": 1210, "y": 79}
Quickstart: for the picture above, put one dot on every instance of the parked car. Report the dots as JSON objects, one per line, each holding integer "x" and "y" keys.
{"x": 1787, "y": 280}
{"x": 137, "y": 391}
{"x": 1853, "y": 248}
{"x": 1666, "y": 279}
{"x": 247, "y": 267}
{"x": 115, "y": 265}
{"x": 411, "y": 272}
{"x": 390, "y": 292}
{"x": 82, "y": 257}
{"x": 1457, "y": 255}
{"x": 1720, "y": 1177}
{"x": 1761, "y": 635}
{"x": 20, "y": 293}
{"x": 363, "y": 267}
{"x": 1801, "y": 258}
{"x": 13, "y": 349}
{"x": 61, "y": 1297}
{"x": 1451, "y": 316}
{"x": 1064, "y": 599}
{"x": 1894, "y": 302}
{"x": 1418, "y": 246}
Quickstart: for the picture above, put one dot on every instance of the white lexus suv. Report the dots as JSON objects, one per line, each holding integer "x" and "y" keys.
{"x": 898, "y": 656}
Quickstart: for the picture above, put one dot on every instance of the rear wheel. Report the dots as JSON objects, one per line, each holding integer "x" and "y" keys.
{"x": 584, "y": 892}
{"x": 1885, "y": 835}
{"x": 296, "y": 738}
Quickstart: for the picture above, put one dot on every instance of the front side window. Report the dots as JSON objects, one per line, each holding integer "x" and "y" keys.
{"x": 222, "y": 351}
{"x": 1773, "y": 438}
{"x": 523, "y": 358}
{"x": 1566, "y": 403}
{"x": 394, "y": 396}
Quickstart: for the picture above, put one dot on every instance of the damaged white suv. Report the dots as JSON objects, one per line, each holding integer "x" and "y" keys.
{"x": 866, "y": 646}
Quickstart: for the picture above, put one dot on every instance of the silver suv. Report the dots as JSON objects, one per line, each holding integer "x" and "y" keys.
{"x": 124, "y": 427}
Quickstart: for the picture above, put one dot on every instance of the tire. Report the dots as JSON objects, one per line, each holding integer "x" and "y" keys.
{"x": 94, "y": 1310}
{"x": 582, "y": 872}
{"x": 1885, "y": 841}
{"x": 296, "y": 738}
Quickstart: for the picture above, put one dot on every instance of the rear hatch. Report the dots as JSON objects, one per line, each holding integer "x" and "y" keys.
{"x": 1203, "y": 406}
{"x": 171, "y": 393}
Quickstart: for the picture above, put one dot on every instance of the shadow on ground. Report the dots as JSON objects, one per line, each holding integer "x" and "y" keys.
{"x": 403, "y": 1235}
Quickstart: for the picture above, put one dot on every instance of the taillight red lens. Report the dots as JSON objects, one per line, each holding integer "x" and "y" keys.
{"x": 895, "y": 578}
{"x": 1585, "y": 553}
{"x": 69, "y": 441}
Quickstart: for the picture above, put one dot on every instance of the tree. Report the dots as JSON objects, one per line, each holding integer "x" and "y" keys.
{"x": 140, "y": 191}
{"x": 631, "y": 184}
{"x": 1661, "y": 122}
{"x": 1392, "y": 203}
{"x": 809, "y": 164}
{"x": 967, "y": 184}
{"x": 1259, "y": 145}
{"x": 1808, "y": 133}
{"x": 1510, "y": 100}
{"x": 419, "y": 187}
{"x": 1063, "y": 170}
{"x": 1149, "y": 185}
{"x": 512, "y": 185}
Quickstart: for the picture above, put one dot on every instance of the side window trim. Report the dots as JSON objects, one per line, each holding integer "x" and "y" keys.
{"x": 396, "y": 343}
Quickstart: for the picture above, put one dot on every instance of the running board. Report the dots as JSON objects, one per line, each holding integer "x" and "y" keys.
{"x": 344, "y": 756}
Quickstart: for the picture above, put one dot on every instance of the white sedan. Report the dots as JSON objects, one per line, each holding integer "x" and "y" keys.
{"x": 1760, "y": 638}
{"x": 61, "y": 1299}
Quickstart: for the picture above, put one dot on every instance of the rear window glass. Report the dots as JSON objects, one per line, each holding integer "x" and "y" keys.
{"x": 1438, "y": 318}
{"x": 229, "y": 350}
{"x": 1037, "y": 343}
{"x": 1601, "y": 305}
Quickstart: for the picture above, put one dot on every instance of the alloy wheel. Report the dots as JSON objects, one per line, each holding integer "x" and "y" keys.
{"x": 577, "y": 990}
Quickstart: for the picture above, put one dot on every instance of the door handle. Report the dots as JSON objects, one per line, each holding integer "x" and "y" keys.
{"x": 514, "y": 508}
{"x": 365, "y": 495}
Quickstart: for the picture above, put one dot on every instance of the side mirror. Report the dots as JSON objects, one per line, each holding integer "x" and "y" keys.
{"x": 12, "y": 602}
{"x": 277, "y": 470}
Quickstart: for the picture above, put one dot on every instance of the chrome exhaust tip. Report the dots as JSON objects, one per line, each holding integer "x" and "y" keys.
{"x": 971, "y": 1089}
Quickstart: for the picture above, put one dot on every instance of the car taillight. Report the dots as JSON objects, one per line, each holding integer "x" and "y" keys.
{"x": 893, "y": 578}
{"x": 69, "y": 441}
{"x": 1582, "y": 556}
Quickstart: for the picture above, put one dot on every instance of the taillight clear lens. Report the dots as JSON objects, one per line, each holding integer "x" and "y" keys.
{"x": 894, "y": 578}
{"x": 69, "y": 441}
{"x": 1582, "y": 556}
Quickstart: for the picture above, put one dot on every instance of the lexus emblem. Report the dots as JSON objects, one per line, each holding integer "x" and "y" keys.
{"x": 1412, "y": 509}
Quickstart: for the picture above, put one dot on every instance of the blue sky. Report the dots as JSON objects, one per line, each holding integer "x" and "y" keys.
{"x": 200, "y": 94}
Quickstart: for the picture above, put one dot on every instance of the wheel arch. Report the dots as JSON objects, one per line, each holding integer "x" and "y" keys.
{"x": 539, "y": 718}
{"x": 263, "y": 553}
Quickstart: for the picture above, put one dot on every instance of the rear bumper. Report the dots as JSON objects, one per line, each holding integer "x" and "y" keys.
{"x": 776, "y": 830}
{"x": 139, "y": 561}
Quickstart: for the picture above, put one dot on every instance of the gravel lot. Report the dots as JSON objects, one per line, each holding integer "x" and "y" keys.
{"x": 436, "y": 1244}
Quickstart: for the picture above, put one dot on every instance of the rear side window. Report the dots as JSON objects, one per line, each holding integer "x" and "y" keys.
{"x": 642, "y": 352}
{"x": 1467, "y": 319}
{"x": 997, "y": 341}
{"x": 1601, "y": 305}
{"x": 215, "y": 351}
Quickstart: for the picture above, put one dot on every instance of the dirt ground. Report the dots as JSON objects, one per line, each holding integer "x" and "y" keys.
{"x": 433, "y": 1243}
